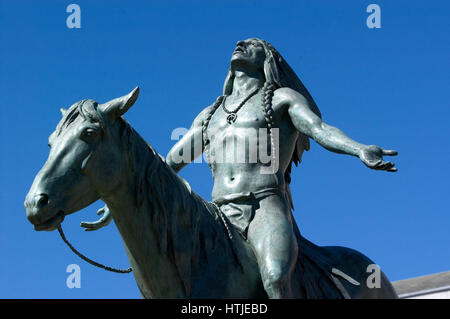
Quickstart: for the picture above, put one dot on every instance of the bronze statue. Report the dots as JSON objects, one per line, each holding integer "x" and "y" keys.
{"x": 247, "y": 235}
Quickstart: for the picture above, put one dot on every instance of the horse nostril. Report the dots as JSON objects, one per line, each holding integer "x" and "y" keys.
{"x": 41, "y": 200}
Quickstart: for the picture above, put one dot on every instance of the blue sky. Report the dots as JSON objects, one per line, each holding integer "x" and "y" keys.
{"x": 385, "y": 86}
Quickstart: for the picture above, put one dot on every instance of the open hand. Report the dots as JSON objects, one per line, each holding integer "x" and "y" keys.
{"x": 372, "y": 157}
{"x": 102, "y": 222}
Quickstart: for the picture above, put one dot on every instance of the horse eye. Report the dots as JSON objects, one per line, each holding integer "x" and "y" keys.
{"x": 89, "y": 133}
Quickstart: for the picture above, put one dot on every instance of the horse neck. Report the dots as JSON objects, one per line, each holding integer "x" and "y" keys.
{"x": 138, "y": 217}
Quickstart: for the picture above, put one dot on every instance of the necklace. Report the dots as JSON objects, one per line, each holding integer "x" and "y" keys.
{"x": 232, "y": 115}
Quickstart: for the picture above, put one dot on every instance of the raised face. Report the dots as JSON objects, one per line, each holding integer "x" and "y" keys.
{"x": 83, "y": 163}
{"x": 249, "y": 53}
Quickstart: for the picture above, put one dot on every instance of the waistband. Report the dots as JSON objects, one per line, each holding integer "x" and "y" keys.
{"x": 247, "y": 196}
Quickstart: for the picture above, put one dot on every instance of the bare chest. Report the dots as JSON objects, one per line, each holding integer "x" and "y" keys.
{"x": 232, "y": 118}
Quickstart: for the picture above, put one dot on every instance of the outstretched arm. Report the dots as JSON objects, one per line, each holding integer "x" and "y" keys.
{"x": 331, "y": 138}
{"x": 190, "y": 146}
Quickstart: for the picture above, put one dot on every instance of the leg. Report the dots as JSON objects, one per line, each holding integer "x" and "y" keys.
{"x": 271, "y": 235}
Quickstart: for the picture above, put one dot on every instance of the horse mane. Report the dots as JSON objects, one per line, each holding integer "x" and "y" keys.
{"x": 84, "y": 108}
{"x": 174, "y": 212}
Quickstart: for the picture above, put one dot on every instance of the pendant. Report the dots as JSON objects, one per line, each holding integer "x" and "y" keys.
{"x": 231, "y": 118}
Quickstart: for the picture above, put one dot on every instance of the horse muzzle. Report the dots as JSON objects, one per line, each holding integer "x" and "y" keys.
{"x": 41, "y": 213}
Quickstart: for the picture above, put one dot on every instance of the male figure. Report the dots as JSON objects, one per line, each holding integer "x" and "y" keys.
{"x": 262, "y": 92}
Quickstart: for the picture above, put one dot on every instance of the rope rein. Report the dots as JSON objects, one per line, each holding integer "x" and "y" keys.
{"x": 94, "y": 263}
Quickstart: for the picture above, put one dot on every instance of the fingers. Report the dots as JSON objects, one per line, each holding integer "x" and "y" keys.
{"x": 386, "y": 166}
{"x": 88, "y": 226}
{"x": 390, "y": 152}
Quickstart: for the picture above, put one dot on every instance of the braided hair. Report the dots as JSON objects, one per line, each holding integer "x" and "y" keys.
{"x": 205, "y": 123}
{"x": 268, "y": 91}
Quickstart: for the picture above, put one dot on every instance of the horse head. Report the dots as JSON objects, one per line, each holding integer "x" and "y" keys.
{"x": 83, "y": 163}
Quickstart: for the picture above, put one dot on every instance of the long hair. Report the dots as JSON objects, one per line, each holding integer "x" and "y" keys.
{"x": 278, "y": 74}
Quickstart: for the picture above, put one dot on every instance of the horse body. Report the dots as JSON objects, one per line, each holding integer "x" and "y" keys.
{"x": 178, "y": 245}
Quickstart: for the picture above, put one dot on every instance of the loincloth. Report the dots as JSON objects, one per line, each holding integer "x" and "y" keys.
{"x": 240, "y": 208}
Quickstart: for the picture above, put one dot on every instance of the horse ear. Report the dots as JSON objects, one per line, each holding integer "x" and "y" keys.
{"x": 120, "y": 105}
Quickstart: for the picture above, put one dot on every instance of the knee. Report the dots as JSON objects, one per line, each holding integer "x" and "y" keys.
{"x": 277, "y": 284}
{"x": 278, "y": 266}
{"x": 275, "y": 277}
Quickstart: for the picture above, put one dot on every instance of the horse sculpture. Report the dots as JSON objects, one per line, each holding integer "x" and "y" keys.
{"x": 178, "y": 245}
